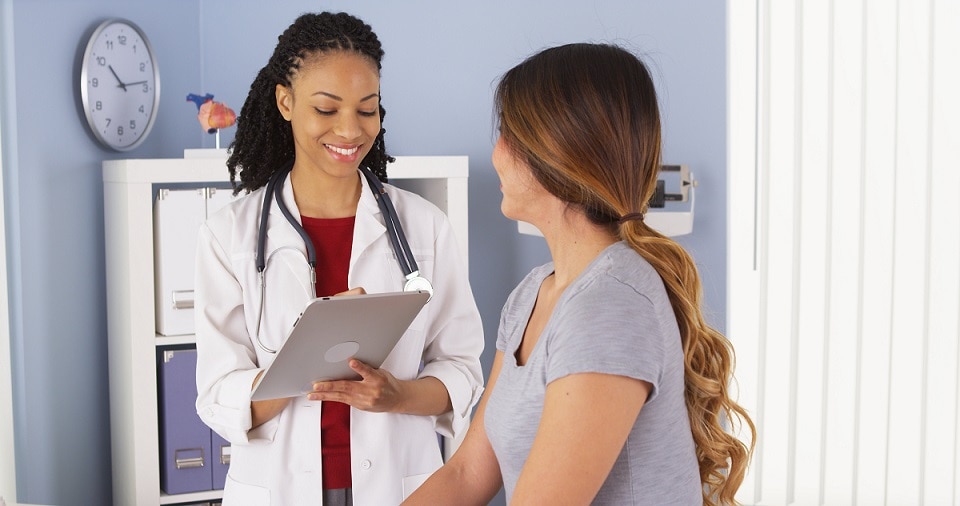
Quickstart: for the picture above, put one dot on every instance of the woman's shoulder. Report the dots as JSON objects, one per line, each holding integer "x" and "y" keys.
{"x": 622, "y": 267}
{"x": 414, "y": 208}
{"x": 410, "y": 200}
{"x": 240, "y": 209}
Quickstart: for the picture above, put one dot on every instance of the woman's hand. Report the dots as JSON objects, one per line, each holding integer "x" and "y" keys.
{"x": 377, "y": 391}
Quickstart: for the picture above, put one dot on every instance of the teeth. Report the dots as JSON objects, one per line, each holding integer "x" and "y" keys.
{"x": 343, "y": 151}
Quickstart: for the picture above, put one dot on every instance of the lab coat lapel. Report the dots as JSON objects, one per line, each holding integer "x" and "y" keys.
{"x": 369, "y": 226}
{"x": 281, "y": 234}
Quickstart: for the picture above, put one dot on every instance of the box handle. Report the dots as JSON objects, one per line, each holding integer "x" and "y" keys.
{"x": 188, "y": 462}
{"x": 183, "y": 299}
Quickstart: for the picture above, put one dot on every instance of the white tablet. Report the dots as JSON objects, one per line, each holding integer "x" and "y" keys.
{"x": 332, "y": 330}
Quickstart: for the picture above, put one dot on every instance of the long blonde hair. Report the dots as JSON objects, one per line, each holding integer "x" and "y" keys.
{"x": 585, "y": 119}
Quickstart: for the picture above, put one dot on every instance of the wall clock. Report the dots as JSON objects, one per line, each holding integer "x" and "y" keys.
{"x": 119, "y": 84}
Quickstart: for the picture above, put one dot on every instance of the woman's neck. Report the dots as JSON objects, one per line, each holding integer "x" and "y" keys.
{"x": 574, "y": 243}
{"x": 325, "y": 197}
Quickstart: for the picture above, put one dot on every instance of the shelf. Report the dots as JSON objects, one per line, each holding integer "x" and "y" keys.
{"x": 175, "y": 340}
{"x": 206, "y": 495}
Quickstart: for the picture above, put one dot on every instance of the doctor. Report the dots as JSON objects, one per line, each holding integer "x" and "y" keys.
{"x": 309, "y": 131}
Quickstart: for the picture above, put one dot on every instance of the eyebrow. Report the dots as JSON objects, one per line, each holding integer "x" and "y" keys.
{"x": 335, "y": 97}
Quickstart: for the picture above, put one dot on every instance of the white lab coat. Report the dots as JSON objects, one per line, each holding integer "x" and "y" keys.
{"x": 392, "y": 454}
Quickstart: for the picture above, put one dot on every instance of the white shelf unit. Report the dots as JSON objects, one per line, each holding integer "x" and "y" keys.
{"x": 130, "y": 187}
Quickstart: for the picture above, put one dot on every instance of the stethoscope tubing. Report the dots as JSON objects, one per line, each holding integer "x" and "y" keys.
{"x": 408, "y": 264}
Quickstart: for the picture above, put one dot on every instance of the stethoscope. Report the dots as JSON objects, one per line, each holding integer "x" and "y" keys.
{"x": 408, "y": 264}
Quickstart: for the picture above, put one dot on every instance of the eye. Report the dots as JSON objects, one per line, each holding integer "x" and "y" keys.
{"x": 368, "y": 114}
{"x": 324, "y": 112}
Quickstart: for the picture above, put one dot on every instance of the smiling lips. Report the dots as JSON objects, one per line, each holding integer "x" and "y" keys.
{"x": 342, "y": 151}
{"x": 344, "y": 154}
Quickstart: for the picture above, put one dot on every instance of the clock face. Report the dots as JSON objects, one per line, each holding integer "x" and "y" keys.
{"x": 119, "y": 85}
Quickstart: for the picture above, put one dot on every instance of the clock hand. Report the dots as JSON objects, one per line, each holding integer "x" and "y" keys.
{"x": 120, "y": 85}
{"x": 138, "y": 82}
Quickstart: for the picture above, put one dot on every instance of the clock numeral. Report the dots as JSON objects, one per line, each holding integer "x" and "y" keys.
{"x": 140, "y": 109}
{"x": 109, "y": 45}
{"x": 120, "y": 130}
{"x": 95, "y": 82}
{"x": 98, "y": 106}
{"x": 143, "y": 67}
{"x": 133, "y": 124}
{"x": 146, "y": 88}
{"x": 122, "y": 39}
{"x": 101, "y": 61}
{"x": 109, "y": 121}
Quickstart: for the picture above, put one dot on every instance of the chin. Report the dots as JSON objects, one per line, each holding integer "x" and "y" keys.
{"x": 508, "y": 213}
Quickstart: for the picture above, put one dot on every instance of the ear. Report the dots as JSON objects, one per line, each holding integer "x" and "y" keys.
{"x": 284, "y": 101}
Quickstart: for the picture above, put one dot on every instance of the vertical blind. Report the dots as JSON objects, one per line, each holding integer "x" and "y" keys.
{"x": 844, "y": 247}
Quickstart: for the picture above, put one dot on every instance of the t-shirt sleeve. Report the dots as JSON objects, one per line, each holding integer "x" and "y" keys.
{"x": 610, "y": 329}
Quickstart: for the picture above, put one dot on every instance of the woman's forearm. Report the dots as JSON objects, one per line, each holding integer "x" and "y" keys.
{"x": 262, "y": 411}
{"x": 426, "y": 396}
{"x": 453, "y": 485}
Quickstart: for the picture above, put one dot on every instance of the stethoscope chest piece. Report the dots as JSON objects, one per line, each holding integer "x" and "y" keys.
{"x": 416, "y": 282}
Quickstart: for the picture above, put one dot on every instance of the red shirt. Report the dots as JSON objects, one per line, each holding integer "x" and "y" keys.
{"x": 333, "y": 240}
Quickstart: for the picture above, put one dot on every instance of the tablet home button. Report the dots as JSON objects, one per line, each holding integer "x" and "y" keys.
{"x": 341, "y": 352}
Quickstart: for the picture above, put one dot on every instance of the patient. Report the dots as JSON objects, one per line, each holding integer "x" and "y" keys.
{"x": 607, "y": 387}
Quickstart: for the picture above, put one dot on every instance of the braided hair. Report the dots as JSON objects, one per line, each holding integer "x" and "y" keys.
{"x": 264, "y": 142}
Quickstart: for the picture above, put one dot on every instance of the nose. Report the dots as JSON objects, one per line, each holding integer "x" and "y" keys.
{"x": 347, "y": 126}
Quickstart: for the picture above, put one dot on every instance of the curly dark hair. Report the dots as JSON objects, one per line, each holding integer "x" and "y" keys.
{"x": 264, "y": 139}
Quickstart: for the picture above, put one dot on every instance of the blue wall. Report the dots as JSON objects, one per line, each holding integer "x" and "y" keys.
{"x": 442, "y": 61}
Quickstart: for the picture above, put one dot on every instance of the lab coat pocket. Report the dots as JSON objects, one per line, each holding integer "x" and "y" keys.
{"x": 412, "y": 483}
{"x": 242, "y": 494}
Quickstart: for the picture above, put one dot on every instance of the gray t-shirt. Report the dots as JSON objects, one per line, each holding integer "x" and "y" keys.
{"x": 615, "y": 318}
